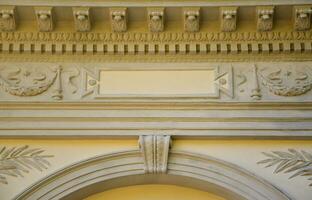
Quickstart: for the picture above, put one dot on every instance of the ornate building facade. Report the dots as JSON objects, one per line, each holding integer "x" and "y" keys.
{"x": 192, "y": 99}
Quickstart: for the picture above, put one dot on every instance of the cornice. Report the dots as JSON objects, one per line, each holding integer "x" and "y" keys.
{"x": 170, "y": 3}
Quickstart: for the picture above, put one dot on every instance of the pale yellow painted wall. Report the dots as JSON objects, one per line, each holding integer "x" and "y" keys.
{"x": 154, "y": 192}
{"x": 243, "y": 153}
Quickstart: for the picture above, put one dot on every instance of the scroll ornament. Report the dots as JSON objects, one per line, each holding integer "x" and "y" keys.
{"x": 16, "y": 161}
{"x": 287, "y": 82}
{"x": 297, "y": 162}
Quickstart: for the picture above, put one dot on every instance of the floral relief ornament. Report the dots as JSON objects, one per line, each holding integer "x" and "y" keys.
{"x": 32, "y": 81}
{"x": 16, "y": 161}
{"x": 297, "y": 162}
{"x": 287, "y": 81}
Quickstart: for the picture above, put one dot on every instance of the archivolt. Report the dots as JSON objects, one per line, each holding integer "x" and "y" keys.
{"x": 126, "y": 168}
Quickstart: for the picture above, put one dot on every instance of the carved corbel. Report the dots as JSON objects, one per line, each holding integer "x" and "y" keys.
{"x": 265, "y": 18}
{"x": 155, "y": 150}
{"x": 118, "y": 17}
{"x": 44, "y": 18}
{"x": 302, "y": 17}
{"x": 228, "y": 16}
{"x": 156, "y": 22}
{"x": 82, "y": 19}
{"x": 7, "y": 18}
{"x": 191, "y": 18}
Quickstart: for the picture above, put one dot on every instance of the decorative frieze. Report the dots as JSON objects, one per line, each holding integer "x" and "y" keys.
{"x": 82, "y": 18}
{"x": 199, "y": 82}
{"x": 191, "y": 17}
{"x": 302, "y": 17}
{"x": 156, "y": 19}
{"x": 44, "y": 18}
{"x": 155, "y": 151}
{"x": 265, "y": 15}
{"x": 118, "y": 18}
{"x": 7, "y": 18}
{"x": 228, "y": 18}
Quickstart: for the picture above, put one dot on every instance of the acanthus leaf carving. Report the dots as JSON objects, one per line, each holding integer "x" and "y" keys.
{"x": 191, "y": 19}
{"x": 155, "y": 150}
{"x": 82, "y": 18}
{"x": 228, "y": 19}
{"x": 155, "y": 19}
{"x": 297, "y": 162}
{"x": 265, "y": 16}
{"x": 118, "y": 18}
{"x": 44, "y": 18}
{"x": 287, "y": 81}
{"x": 7, "y": 18}
{"x": 302, "y": 17}
{"x": 16, "y": 161}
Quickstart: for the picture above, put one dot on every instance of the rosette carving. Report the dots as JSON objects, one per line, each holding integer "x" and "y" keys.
{"x": 287, "y": 82}
{"x": 27, "y": 81}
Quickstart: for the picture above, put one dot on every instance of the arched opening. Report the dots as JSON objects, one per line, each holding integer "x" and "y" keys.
{"x": 126, "y": 168}
{"x": 154, "y": 192}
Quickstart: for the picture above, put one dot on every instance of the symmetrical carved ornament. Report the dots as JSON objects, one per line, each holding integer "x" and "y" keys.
{"x": 191, "y": 18}
{"x": 287, "y": 81}
{"x": 228, "y": 17}
{"x": 44, "y": 18}
{"x": 118, "y": 17}
{"x": 16, "y": 161}
{"x": 155, "y": 150}
{"x": 7, "y": 18}
{"x": 82, "y": 18}
{"x": 32, "y": 81}
{"x": 302, "y": 17}
{"x": 297, "y": 162}
{"x": 156, "y": 19}
{"x": 265, "y": 16}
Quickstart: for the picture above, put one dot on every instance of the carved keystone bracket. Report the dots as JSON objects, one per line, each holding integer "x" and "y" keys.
{"x": 228, "y": 17}
{"x": 191, "y": 18}
{"x": 44, "y": 18}
{"x": 82, "y": 19}
{"x": 155, "y": 150}
{"x": 7, "y": 18}
{"x": 265, "y": 18}
{"x": 118, "y": 17}
{"x": 155, "y": 19}
{"x": 302, "y": 17}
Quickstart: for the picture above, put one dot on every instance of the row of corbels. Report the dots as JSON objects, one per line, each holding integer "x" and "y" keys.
{"x": 156, "y": 18}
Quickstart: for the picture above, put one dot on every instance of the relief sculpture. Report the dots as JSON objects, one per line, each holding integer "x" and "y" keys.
{"x": 33, "y": 81}
{"x": 287, "y": 81}
{"x": 16, "y": 161}
{"x": 27, "y": 81}
{"x": 297, "y": 162}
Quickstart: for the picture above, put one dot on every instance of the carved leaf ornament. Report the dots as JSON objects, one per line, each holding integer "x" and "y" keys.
{"x": 287, "y": 82}
{"x": 27, "y": 82}
{"x": 16, "y": 161}
{"x": 298, "y": 162}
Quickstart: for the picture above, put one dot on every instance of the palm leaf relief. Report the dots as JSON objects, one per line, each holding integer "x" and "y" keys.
{"x": 297, "y": 162}
{"x": 17, "y": 161}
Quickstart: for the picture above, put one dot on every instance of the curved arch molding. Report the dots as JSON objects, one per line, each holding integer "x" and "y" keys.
{"x": 127, "y": 168}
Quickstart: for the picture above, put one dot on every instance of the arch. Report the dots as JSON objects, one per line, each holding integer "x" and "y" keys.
{"x": 127, "y": 168}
